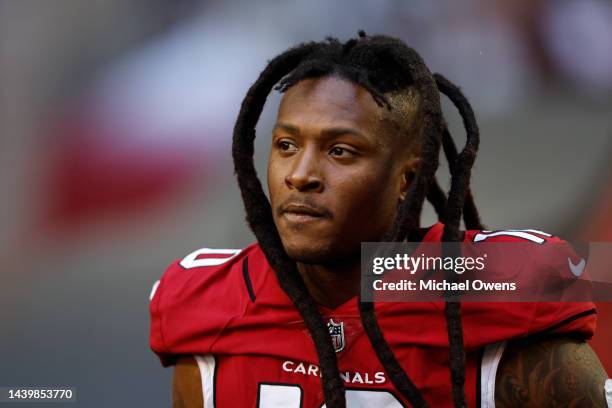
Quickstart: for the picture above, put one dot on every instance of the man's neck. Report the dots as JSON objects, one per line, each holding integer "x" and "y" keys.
{"x": 331, "y": 286}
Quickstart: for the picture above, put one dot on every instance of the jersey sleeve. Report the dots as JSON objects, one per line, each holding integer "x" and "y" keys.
{"x": 573, "y": 313}
{"x": 194, "y": 301}
{"x": 548, "y": 311}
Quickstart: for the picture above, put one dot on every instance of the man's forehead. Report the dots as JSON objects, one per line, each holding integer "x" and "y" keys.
{"x": 333, "y": 102}
{"x": 330, "y": 98}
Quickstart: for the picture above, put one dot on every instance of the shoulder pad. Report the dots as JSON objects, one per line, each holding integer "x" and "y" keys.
{"x": 196, "y": 299}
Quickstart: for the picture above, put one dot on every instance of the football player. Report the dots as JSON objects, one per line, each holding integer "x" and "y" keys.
{"x": 281, "y": 324}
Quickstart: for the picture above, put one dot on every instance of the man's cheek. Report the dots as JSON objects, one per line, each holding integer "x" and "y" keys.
{"x": 274, "y": 189}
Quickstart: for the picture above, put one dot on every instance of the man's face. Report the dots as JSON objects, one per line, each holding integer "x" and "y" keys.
{"x": 334, "y": 175}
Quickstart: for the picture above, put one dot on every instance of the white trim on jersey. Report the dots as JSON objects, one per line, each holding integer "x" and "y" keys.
{"x": 608, "y": 388}
{"x": 206, "y": 364}
{"x": 153, "y": 290}
{"x": 488, "y": 370}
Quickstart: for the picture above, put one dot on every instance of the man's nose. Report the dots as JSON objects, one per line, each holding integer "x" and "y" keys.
{"x": 305, "y": 174}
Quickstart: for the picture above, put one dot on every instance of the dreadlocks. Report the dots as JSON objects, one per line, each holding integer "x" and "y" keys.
{"x": 383, "y": 66}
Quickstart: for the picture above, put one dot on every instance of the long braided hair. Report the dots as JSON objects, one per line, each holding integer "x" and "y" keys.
{"x": 381, "y": 65}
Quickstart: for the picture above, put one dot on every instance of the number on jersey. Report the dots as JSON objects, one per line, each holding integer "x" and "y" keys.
{"x": 526, "y": 234}
{"x": 290, "y": 396}
{"x": 208, "y": 257}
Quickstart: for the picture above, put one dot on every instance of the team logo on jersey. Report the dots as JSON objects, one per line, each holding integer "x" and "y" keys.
{"x": 578, "y": 268}
{"x": 336, "y": 331}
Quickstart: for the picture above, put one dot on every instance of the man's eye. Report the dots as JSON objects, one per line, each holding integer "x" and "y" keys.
{"x": 340, "y": 151}
{"x": 286, "y": 146}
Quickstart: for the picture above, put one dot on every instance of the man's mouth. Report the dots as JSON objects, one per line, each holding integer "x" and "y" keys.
{"x": 299, "y": 212}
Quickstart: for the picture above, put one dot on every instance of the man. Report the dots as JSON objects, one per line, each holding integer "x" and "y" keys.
{"x": 354, "y": 153}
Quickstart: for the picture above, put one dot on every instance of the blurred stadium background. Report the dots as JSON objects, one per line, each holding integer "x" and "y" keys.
{"x": 115, "y": 127}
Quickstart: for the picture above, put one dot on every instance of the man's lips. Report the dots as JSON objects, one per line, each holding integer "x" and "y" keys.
{"x": 302, "y": 209}
{"x": 300, "y": 212}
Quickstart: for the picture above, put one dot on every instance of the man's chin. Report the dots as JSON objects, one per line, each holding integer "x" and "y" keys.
{"x": 317, "y": 255}
{"x": 310, "y": 255}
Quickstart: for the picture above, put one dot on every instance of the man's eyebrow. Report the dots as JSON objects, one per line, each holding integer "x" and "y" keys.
{"x": 329, "y": 132}
{"x": 294, "y": 130}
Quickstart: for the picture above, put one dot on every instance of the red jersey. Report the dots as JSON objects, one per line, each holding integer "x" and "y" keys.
{"x": 227, "y": 309}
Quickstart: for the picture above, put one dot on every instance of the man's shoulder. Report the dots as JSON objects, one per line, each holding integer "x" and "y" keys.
{"x": 214, "y": 269}
{"x": 546, "y": 269}
{"x": 201, "y": 295}
{"x": 532, "y": 253}
{"x": 549, "y": 295}
{"x": 207, "y": 260}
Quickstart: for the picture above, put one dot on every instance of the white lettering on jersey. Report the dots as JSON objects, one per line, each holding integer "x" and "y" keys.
{"x": 379, "y": 377}
{"x": 350, "y": 377}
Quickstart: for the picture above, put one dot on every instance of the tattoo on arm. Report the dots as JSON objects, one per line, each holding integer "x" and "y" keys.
{"x": 550, "y": 372}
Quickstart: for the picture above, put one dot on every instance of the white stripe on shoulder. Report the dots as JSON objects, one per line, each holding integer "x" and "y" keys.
{"x": 153, "y": 290}
{"x": 608, "y": 388}
{"x": 207, "y": 374}
{"x": 488, "y": 370}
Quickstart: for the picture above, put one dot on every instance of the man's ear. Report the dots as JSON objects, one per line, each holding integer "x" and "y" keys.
{"x": 408, "y": 171}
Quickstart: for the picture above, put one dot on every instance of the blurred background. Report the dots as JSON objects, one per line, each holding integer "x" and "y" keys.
{"x": 115, "y": 129}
